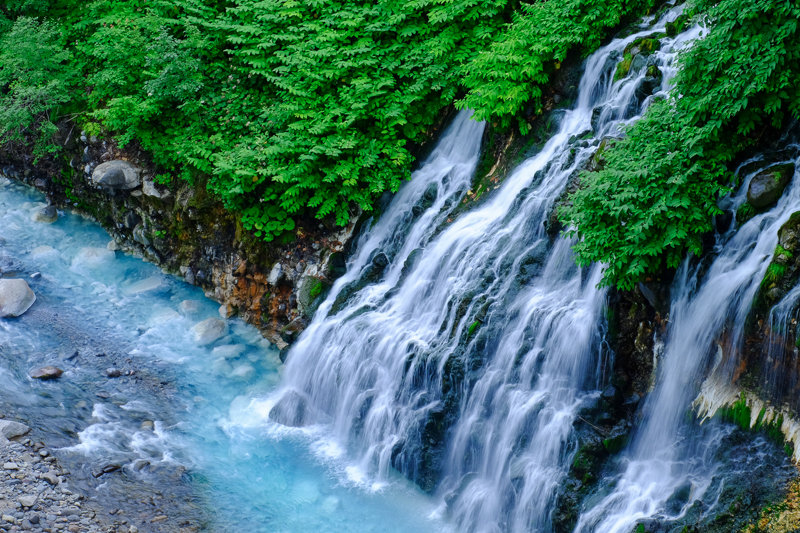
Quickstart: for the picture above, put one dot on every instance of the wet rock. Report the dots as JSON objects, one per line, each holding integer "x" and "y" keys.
{"x": 16, "y": 297}
{"x": 113, "y": 372}
{"x": 767, "y": 186}
{"x": 46, "y": 215}
{"x": 11, "y": 430}
{"x": 210, "y": 330}
{"x": 47, "y": 372}
{"x": 291, "y": 410}
{"x": 190, "y": 307}
{"x": 117, "y": 175}
{"x": 380, "y": 261}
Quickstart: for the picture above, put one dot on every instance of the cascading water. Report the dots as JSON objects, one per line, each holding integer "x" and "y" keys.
{"x": 669, "y": 456}
{"x": 459, "y": 349}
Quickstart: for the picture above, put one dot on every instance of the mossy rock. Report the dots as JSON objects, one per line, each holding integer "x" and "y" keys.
{"x": 640, "y": 48}
{"x": 767, "y": 186}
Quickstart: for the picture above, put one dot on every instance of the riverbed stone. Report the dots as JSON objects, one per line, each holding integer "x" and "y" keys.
{"x": 117, "y": 175}
{"x": 47, "y": 372}
{"x": 10, "y": 429}
{"x": 28, "y": 500}
{"x": 767, "y": 186}
{"x": 210, "y": 330}
{"x": 16, "y": 297}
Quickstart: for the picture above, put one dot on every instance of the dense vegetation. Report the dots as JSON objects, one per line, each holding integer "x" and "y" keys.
{"x": 657, "y": 194}
{"x": 284, "y": 108}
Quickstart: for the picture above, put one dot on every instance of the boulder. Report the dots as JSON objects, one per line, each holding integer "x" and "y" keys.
{"x": 149, "y": 189}
{"x": 210, "y": 330}
{"x": 47, "y": 372}
{"x": 11, "y": 430}
{"x": 768, "y": 185}
{"x": 16, "y": 297}
{"x": 46, "y": 215}
{"x": 117, "y": 175}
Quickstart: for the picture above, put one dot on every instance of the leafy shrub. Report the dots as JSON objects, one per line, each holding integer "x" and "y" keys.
{"x": 655, "y": 198}
{"x": 288, "y": 109}
{"x": 36, "y": 80}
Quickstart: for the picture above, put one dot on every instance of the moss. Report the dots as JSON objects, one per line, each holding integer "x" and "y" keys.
{"x": 473, "y": 327}
{"x": 775, "y": 272}
{"x": 740, "y": 414}
{"x": 780, "y": 251}
{"x": 615, "y": 444}
{"x": 624, "y": 66}
{"x": 644, "y": 46}
{"x": 316, "y": 289}
{"x": 674, "y": 28}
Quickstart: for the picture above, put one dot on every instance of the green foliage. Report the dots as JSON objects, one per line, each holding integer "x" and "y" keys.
{"x": 288, "y": 109}
{"x": 511, "y": 73}
{"x": 655, "y": 198}
{"x": 36, "y": 80}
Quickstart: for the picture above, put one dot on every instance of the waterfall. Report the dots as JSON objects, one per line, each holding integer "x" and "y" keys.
{"x": 460, "y": 346}
{"x": 710, "y": 304}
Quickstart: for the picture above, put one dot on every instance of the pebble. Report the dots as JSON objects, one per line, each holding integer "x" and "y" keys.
{"x": 33, "y": 496}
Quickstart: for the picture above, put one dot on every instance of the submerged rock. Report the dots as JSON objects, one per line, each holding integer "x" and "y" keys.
{"x": 768, "y": 185}
{"x": 46, "y": 215}
{"x": 119, "y": 175}
{"x": 210, "y": 330}
{"x": 47, "y": 372}
{"x": 16, "y": 297}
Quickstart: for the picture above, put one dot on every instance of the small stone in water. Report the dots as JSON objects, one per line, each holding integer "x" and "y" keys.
{"x": 47, "y": 372}
{"x": 113, "y": 372}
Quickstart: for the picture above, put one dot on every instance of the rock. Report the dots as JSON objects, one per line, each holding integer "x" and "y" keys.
{"x": 10, "y": 466}
{"x": 210, "y": 330}
{"x": 16, "y": 297}
{"x": 229, "y": 351}
{"x": 291, "y": 410}
{"x": 11, "y": 430}
{"x": 275, "y": 274}
{"x": 113, "y": 372}
{"x": 153, "y": 283}
{"x": 47, "y": 372}
{"x": 768, "y": 185}
{"x": 46, "y": 215}
{"x": 149, "y": 189}
{"x": 140, "y": 236}
{"x": 190, "y": 307}
{"x": 28, "y": 500}
{"x": 380, "y": 260}
{"x": 117, "y": 175}
{"x": 51, "y": 478}
{"x": 131, "y": 219}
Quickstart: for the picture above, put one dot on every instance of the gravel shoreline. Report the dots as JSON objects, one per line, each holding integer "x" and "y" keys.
{"x": 35, "y": 494}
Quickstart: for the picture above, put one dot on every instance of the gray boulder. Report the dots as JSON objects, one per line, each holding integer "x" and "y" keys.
{"x": 11, "y": 430}
{"x": 210, "y": 330}
{"x": 768, "y": 185}
{"x": 16, "y": 297}
{"x": 117, "y": 174}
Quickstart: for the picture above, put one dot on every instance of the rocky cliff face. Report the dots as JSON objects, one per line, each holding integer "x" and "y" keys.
{"x": 183, "y": 230}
